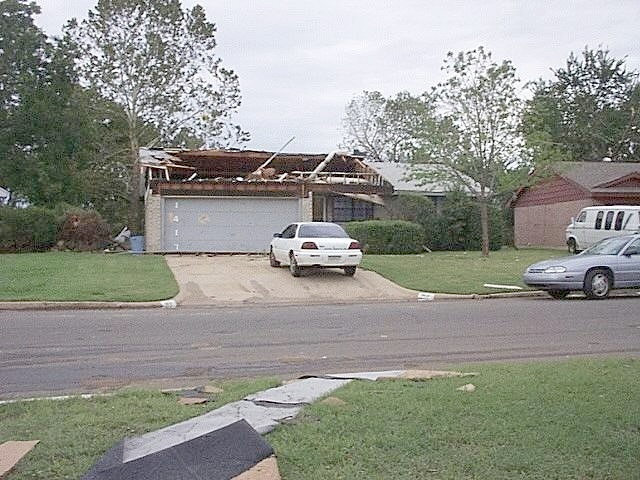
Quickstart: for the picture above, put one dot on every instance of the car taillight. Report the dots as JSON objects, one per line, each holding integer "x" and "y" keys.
{"x": 309, "y": 246}
{"x": 354, "y": 246}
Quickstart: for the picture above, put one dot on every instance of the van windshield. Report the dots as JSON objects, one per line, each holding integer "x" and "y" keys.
{"x": 608, "y": 246}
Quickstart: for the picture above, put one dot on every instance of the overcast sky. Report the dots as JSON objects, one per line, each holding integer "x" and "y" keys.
{"x": 300, "y": 62}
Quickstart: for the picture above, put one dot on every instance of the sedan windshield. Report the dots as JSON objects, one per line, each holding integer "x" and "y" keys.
{"x": 322, "y": 230}
{"x": 608, "y": 246}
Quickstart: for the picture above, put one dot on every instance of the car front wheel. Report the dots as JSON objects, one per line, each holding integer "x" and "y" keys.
{"x": 572, "y": 246}
{"x": 558, "y": 294}
{"x": 597, "y": 284}
{"x": 293, "y": 266}
{"x": 350, "y": 271}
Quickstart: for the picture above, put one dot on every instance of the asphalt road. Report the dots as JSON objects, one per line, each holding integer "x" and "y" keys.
{"x": 56, "y": 352}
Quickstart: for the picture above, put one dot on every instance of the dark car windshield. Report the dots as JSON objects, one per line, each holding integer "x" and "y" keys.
{"x": 322, "y": 230}
{"x": 608, "y": 246}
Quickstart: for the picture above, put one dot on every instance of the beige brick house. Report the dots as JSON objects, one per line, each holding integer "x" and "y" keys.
{"x": 543, "y": 211}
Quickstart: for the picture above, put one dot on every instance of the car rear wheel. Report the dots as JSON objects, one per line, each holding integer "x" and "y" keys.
{"x": 350, "y": 271}
{"x": 272, "y": 259}
{"x": 293, "y": 266}
{"x": 597, "y": 284}
{"x": 558, "y": 294}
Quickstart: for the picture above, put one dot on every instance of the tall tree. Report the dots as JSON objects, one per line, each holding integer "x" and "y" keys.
{"x": 385, "y": 129}
{"x": 159, "y": 63}
{"x": 476, "y": 141}
{"x": 589, "y": 111}
{"x": 23, "y": 60}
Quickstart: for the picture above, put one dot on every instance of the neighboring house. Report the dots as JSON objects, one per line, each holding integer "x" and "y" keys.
{"x": 543, "y": 211}
{"x": 4, "y": 196}
{"x": 234, "y": 201}
{"x": 400, "y": 175}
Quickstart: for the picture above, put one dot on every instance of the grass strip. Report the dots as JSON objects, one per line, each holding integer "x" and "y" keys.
{"x": 70, "y": 276}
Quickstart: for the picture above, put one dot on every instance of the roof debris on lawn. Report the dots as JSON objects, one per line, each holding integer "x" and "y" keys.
{"x": 12, "y": 451}
{"x": 221, "y": 454}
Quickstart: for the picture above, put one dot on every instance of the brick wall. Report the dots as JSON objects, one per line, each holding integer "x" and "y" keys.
{"x": 153, "y": 223}
{"x": 545, "y": 225}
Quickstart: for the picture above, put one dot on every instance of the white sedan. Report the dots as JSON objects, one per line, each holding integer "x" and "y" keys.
{"x": 315, "y": 244}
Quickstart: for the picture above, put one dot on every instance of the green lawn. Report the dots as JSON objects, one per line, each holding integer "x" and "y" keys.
{"x": 556, "y": 420}
{"x": 576, "y": 419}
{"x": 457, "y": 272}
{"x": 59, "y": 276}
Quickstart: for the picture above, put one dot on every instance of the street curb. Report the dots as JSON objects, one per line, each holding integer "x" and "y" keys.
{"x": 49, "y": 305}
{"x": 176, "y": 302}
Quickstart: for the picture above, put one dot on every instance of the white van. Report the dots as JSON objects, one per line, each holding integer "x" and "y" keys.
{"x": 596, "y": 223}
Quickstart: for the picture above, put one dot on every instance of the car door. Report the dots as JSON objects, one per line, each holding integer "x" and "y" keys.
{"x": 282, "y": 244}
{"x": 627, "y": 270}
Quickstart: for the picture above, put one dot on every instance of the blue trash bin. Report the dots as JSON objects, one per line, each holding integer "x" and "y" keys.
{"x": 137, "y": 244}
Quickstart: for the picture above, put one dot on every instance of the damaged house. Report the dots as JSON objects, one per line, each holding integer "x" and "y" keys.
{"x": 234, "y": 201}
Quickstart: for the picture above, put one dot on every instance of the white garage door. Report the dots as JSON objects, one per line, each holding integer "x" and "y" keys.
{"x": 225, "y": 224}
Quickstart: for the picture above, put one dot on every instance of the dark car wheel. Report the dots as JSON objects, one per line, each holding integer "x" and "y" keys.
{"x": 558, "y": 294}
{"x": 350, "y": 271}
{"x": 597, "y": 284}
{"x": 272, "y": 259}
{"x": 293, "y": 266}
{"x": 571, "y": 244}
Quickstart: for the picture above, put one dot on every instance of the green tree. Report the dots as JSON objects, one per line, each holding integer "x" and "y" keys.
{"x": 476, "y": 141}
{"x": 386, "y": 129}
{"x": 589, "y": 111}
{"x": 159, "y": 63}
{"x": 24, "y": 54}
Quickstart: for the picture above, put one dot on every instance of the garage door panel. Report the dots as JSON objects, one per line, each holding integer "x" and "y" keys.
{"x": 225, "y": 224}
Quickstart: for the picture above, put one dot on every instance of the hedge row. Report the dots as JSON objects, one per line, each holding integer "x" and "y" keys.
{"x": 390, "y": 236}
{"x": 37, "y": 229}
{"x": 27, "y": 229}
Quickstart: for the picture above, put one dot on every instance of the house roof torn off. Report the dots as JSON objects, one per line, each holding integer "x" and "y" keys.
{"x": 247, "y": 171}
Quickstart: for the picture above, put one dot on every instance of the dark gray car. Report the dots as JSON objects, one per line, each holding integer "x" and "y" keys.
{"x": 609, "y": 264}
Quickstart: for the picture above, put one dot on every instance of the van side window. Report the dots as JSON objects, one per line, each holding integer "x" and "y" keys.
{"x": 608, "y": 221}
{"x": 582, "y": 217}
{"x": 599, "y": 220}
{"x": 619, "y": 218}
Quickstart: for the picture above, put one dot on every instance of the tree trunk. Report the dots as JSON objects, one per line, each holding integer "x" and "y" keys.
{"x": 484, "y": 223}
{"x": 136, "y": 224}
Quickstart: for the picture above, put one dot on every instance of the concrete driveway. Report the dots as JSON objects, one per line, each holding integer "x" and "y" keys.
{"x": 249, "y": 279}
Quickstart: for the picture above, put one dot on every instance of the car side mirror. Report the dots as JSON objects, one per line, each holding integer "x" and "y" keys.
{"x": 277, "y": 235}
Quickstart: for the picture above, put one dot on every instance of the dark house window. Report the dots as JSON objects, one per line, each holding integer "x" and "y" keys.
{"x": 346, "y": 209}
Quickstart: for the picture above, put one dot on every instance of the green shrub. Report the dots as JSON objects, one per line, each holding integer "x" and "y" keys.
{"x": 453, "y": 225}
{"x": 460, "y": 227}
{"x": 387, "y": 236}
{"x": 417, "y": 209}
{"x": 30, "y": 229}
